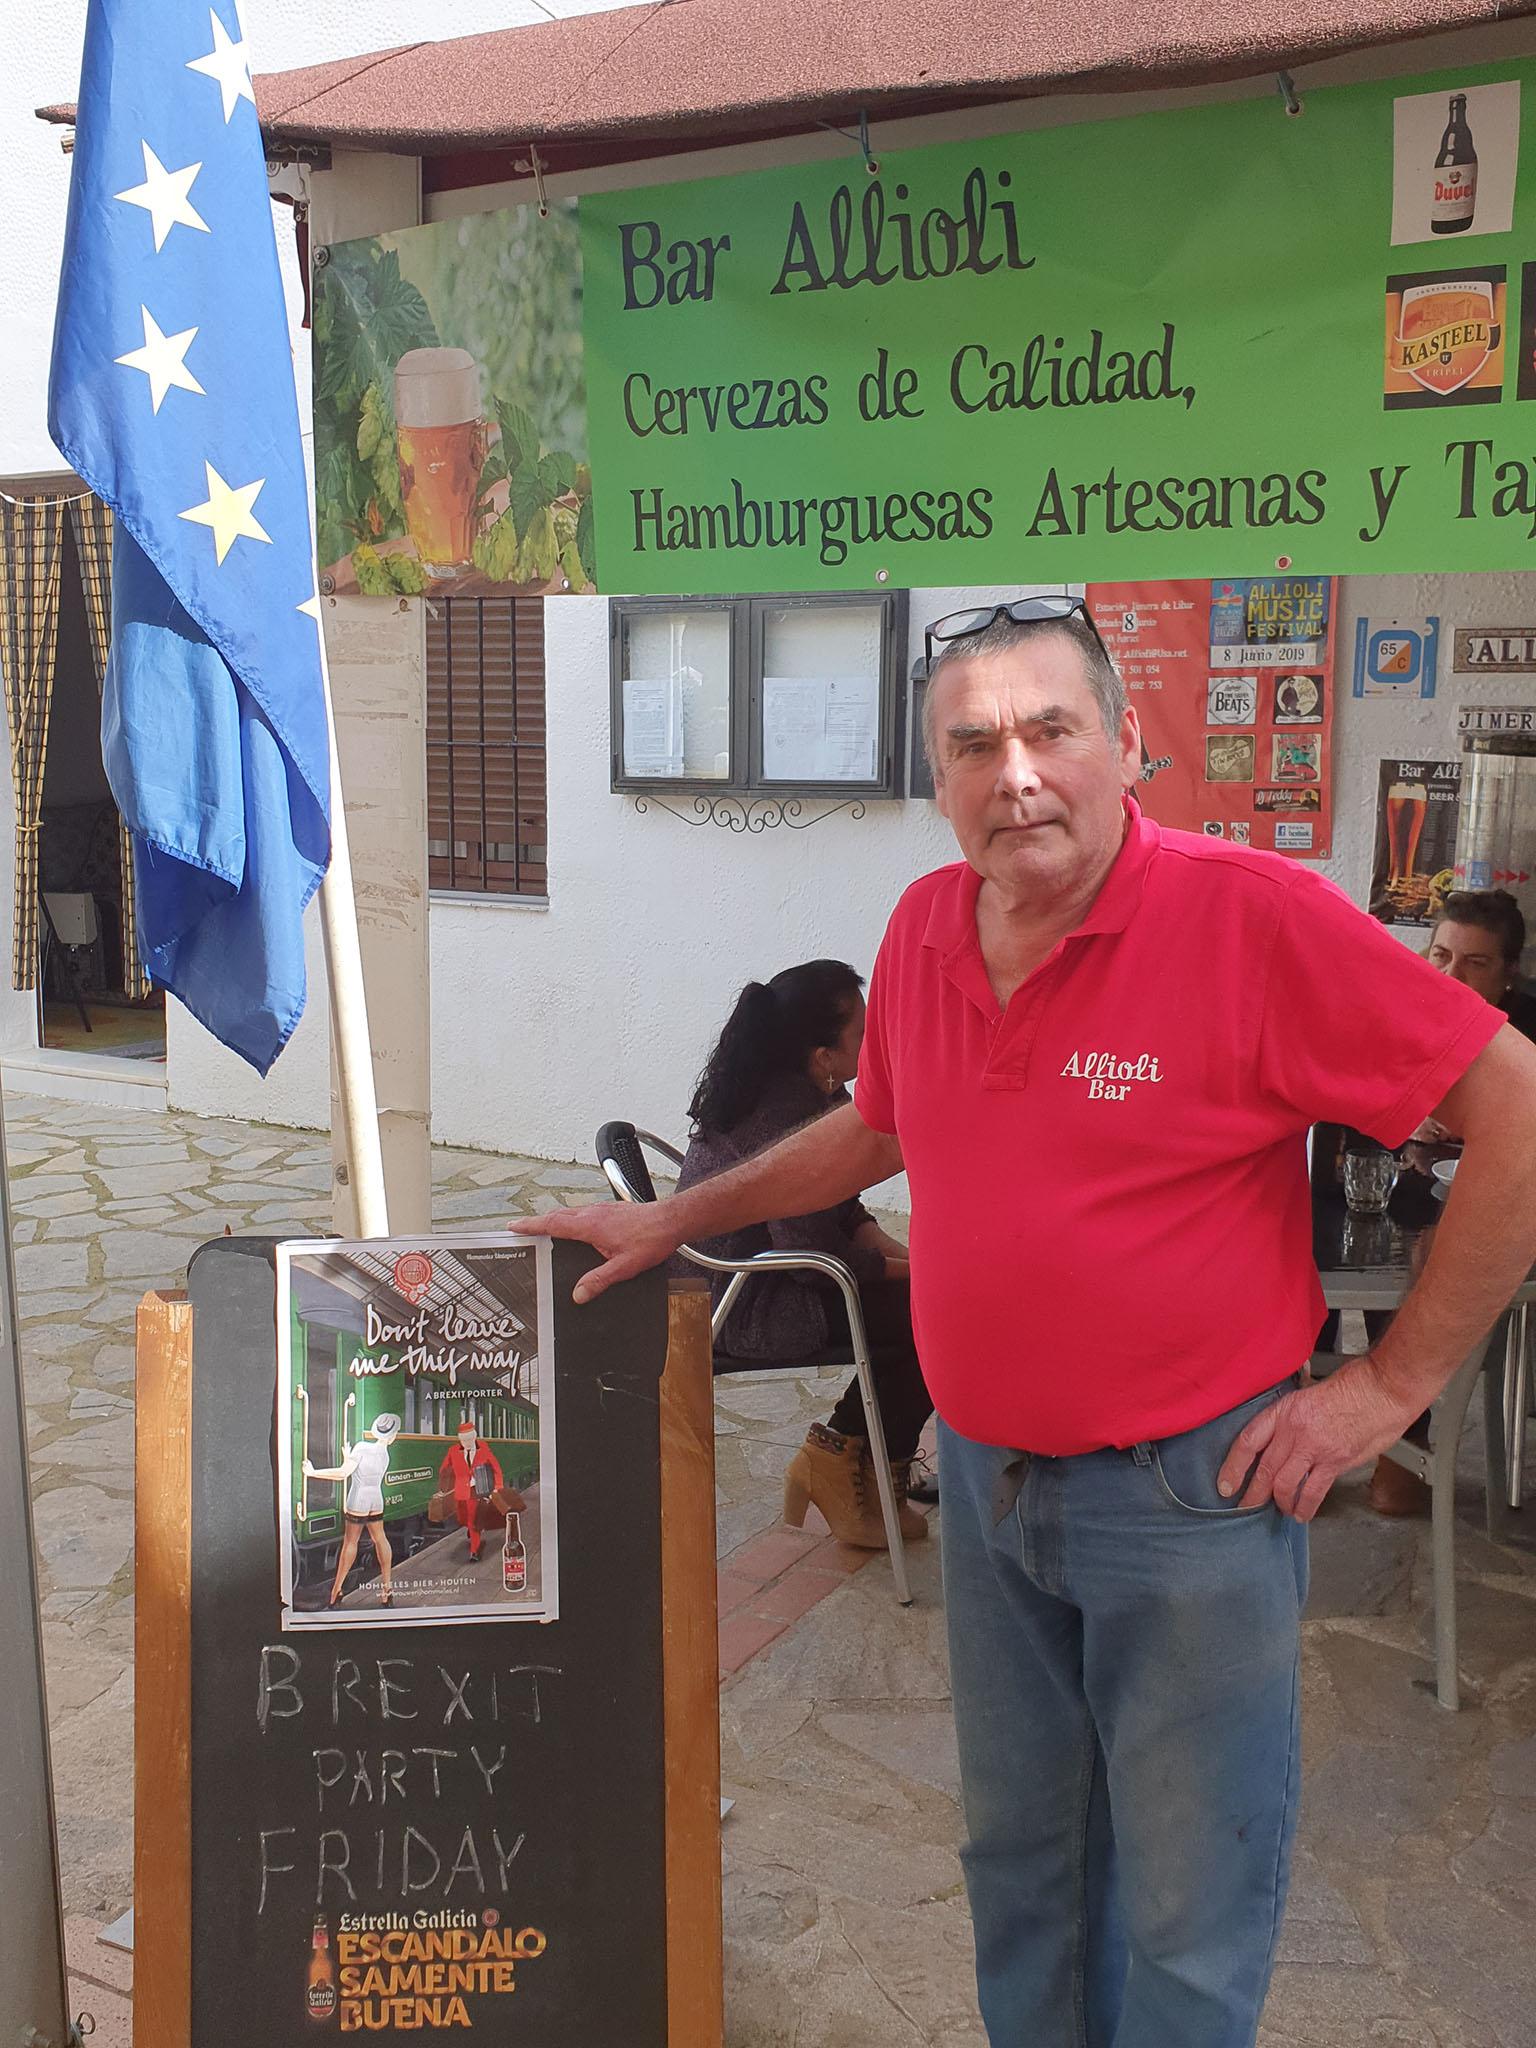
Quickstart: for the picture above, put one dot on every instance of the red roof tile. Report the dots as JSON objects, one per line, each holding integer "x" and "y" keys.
{"x": 728, "y": 68}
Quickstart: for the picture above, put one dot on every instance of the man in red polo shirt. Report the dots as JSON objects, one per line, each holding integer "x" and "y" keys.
{"x": 1097, "y": 1047}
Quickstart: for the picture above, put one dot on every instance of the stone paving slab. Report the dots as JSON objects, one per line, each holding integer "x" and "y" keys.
{"x": 1415, "y": 1884}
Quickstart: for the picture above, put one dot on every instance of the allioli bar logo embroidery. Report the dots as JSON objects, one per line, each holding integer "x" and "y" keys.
{"x": 1111, "y": 1075}
{"x": 1445, "y": 338}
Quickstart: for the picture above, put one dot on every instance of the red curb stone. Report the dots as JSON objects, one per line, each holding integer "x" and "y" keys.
{"x": 764, "y": 1557}
{"x": 796, "y": 1593}
{"x": 732, "y": 1589}
{"x": 742, "y": 1635}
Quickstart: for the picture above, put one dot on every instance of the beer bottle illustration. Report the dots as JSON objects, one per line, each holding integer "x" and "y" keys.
{"x": 1453, "y": 181}
{"x": 514, "y": 1558}
{"x": 320, "y": 1986}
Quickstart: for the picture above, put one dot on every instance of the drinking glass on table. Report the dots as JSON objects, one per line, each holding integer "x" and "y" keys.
{"x": 1369, "y": 1178}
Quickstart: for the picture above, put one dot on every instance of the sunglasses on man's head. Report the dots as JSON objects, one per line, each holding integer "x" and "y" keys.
{"x": 1024, "y": 611}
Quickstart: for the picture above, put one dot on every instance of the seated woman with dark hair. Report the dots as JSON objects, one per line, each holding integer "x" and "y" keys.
{"x": 1478, "y": 939}
{"x": 787, "y": 1052}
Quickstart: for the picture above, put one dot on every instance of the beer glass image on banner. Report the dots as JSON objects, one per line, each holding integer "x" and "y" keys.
{"x": 450, "y": 410}
{"x": 1454, "y": 156}
{"x": 416, "y": 1435}
{"x": 1445, "y": 339}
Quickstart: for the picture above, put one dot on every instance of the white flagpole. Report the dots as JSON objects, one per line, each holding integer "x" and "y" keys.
{"x": 349, "y": 1006}
{"x": 350, "y": 1038}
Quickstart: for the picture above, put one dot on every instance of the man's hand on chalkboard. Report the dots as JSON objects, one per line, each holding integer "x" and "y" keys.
{"x": 632, "y": 1237}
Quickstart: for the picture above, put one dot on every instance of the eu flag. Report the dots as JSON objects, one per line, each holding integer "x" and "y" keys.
{"x": 172, "y": 395}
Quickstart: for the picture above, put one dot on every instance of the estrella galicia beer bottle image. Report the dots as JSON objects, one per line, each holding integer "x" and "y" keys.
{"x": 514, "y": 1558}
{"x": 320, "y": 1987}
{"x": 1453, "y": 187}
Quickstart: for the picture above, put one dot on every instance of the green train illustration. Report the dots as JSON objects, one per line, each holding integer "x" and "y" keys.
{"x": 340, "y": 1388}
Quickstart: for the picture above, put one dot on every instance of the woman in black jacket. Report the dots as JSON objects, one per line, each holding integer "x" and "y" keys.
{"x": 787, "y": 1052}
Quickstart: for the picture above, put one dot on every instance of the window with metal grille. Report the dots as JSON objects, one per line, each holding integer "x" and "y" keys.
{"x": 487, "y": 812}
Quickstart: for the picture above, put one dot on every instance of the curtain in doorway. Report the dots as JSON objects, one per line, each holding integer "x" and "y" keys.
{"x": 31, "y": 545}
{"x": 92, "y": 519}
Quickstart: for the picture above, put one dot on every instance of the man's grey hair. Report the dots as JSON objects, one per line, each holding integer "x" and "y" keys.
{"x": 1001, "y": 637}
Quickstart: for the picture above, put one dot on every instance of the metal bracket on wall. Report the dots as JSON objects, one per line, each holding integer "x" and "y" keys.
{"x": 750, "y": 813}
{"x": 871, "y": 161}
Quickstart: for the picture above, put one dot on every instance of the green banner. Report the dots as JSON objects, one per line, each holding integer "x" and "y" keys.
{"x": 1131, "y": 349}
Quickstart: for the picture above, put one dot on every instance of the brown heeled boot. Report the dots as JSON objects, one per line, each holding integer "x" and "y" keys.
{"x": 834, "y": 1474}
{"x": 1396, "y": 1491}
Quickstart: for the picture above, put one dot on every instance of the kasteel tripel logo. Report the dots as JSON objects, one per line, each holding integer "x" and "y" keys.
{"x": 1445, "y": 338}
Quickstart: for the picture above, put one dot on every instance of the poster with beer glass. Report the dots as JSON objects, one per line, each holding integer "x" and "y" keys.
{"x": 416, "y": 1432}
{"x": 450, "y": 410}
{"x": 1417, "y": 805}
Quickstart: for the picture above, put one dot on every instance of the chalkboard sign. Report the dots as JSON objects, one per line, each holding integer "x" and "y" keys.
{"x": 412, "y": 1830}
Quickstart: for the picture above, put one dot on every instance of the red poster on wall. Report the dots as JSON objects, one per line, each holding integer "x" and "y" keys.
{"x": 1232, "y": 682}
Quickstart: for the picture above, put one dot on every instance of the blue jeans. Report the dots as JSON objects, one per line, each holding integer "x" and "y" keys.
{"x": 1125, "y": 1652}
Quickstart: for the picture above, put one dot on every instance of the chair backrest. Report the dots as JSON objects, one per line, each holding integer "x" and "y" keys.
{"x": 74, "y": 916}
{"x": 622, "y": 1158}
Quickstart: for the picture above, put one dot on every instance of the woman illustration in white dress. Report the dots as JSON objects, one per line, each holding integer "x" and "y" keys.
{"x": 363, "y": 1465}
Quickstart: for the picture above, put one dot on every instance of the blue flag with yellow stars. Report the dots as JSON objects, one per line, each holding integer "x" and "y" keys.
{"x": 172, "y": 395}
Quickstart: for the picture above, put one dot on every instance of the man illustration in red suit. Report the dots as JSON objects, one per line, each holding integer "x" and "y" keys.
{"x": 471, "y": 1469}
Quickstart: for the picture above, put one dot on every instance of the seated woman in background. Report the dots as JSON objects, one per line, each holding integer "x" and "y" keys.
{"x": 1478, "y": 939}
{"x": 788, "y": 1050}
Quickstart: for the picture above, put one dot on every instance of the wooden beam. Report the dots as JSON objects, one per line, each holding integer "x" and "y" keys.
{"x": 690, "y": 1652}
{"x": 162, "y": 1741}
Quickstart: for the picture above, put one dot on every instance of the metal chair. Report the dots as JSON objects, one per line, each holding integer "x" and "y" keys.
{"x": 621, "y": 1153}
{"x": 1506, "y": 1413}
{"x": 1435, "y": 1465}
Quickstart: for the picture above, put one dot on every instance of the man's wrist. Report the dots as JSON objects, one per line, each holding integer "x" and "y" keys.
{"x": 1404, "y": 1386}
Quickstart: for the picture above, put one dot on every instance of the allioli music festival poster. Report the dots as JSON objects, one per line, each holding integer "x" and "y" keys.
{"x": 416, "y": 1432}
{"x": 1232, "y": 681}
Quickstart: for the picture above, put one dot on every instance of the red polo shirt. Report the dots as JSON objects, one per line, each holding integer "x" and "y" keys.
{"x": 1111, "y": 1221}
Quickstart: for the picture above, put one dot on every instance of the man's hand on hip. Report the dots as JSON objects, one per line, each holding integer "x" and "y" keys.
{"x": 1306, "y": 1439}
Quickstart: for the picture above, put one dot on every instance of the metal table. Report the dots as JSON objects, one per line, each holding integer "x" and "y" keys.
{"x": 1366, "y": 1262}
